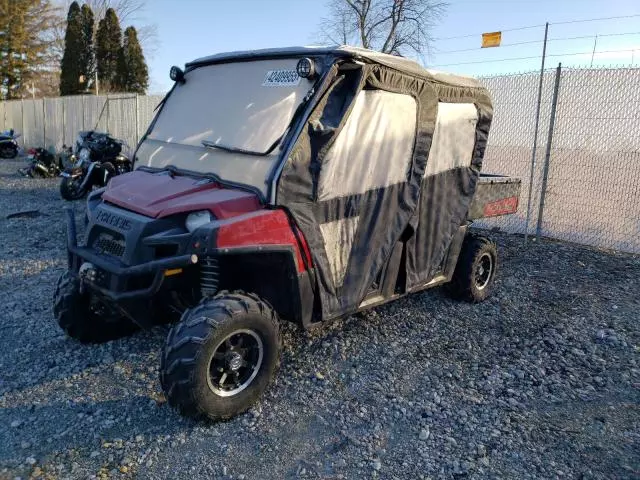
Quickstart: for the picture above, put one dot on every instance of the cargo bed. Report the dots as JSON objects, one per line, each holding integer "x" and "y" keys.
{"x": 495, "y": 195}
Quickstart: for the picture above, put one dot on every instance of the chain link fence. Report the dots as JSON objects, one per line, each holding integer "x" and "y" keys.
{"x": 592, "y": 157}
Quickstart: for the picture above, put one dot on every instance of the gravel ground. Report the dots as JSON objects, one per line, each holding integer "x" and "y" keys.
{"x": 541, "y": 381}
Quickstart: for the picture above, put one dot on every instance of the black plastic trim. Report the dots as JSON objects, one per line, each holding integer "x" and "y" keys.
{"x": 156, "y": 267}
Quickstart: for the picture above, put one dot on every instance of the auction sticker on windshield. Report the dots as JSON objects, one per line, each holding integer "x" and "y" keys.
{"x": 281, "y": 78}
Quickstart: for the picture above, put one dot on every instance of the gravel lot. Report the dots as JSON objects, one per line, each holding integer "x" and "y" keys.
{"x": 541, "y": 381}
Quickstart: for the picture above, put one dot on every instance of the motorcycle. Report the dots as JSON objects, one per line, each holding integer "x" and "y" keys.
{"x": 98, "y": 158}
{"x": 8, "y": 144}
{"x": 43, "y": 164}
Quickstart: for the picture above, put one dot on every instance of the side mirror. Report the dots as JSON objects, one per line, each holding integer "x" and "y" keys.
{"x": 176, "y": 74}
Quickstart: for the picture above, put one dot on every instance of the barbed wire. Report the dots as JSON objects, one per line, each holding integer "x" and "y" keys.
{"x": 527, "y": 27}
{"x": 538, "y": 56}
{"x": 581, "y": 37}
{"x": 504, "y": 30}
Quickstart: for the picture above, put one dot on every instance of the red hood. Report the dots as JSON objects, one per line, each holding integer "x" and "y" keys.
{"x": 159, "y": 195}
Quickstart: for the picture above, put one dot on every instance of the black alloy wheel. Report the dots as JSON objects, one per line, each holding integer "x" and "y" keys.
{"x": 221, "y": 356}
{"x": 475, "y": 271}
{"x": 235, "y": 362}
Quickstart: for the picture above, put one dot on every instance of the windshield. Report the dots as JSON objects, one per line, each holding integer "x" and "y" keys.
{"x": 242, "y": 107}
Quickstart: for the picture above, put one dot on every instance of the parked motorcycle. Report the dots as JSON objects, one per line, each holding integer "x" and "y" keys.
{"x": 43, "y": 164}
{"x": 98, "y": 158}
{"x": 8, "y": 144}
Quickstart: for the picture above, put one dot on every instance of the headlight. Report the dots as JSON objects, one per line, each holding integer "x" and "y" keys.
{"x": 79, "y": 141}
{"x": 197, "y": 219}
{"x": 84, "y": 154}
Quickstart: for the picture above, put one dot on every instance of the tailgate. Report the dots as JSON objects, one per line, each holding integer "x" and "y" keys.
{"x": 495, "y": 195}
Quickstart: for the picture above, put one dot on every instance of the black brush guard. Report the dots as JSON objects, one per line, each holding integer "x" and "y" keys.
{"x": 118, "y": 275}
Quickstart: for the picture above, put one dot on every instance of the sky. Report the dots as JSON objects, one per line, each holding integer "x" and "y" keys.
{"x": 194, "y": 28}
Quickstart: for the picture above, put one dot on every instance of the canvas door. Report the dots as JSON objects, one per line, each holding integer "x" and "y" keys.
{"x": 359, "y": 191}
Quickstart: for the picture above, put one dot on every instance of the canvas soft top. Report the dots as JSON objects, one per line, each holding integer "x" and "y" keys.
{"x": 401, "y": 64}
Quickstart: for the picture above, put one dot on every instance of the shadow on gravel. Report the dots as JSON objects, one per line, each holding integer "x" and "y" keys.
{"x": 94, "y": 369}
{"x": 85, "y": 425}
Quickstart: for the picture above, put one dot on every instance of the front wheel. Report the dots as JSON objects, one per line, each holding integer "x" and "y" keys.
{"x": 218, "y": 360}
{"x": 71, "y": 188}
{"x": 476, "y": 269}
{"x": 83, "y": 317}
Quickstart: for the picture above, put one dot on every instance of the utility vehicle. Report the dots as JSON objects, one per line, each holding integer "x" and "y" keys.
{"x": 302, "y": 184}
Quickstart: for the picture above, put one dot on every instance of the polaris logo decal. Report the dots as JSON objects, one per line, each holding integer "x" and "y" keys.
{"x": 503, "y": 206}
{"x": 112, "y": 220}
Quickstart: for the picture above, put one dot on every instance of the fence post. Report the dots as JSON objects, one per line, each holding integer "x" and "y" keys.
{"x": 107, "y": 113}
{"x": 24, "y": 135}
{"x": 137, "y": 120}
{"x": 44, "y": 123}
{"x": 83, "y": 108}
{"x": 64, "y": 121}
{"x": 547, "y": 155}
{"x": 535, "y": 134}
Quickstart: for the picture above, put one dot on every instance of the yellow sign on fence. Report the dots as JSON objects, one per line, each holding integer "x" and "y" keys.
{"x": 491, "y": 39}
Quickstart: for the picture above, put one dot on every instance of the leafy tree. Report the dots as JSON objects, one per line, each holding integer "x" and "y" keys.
{"x": 133, "y": 74}
{"x": 71, "y": 66}
{"x": 108, "y": 45}
{"x": 390, "y": 26}
{"x": 26, "y": 42}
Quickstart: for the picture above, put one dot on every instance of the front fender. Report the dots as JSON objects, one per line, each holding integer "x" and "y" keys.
{"x": 264, "y": 228}
{"x": 265, "y": 253}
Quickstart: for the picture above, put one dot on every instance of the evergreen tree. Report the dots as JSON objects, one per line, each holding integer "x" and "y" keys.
{"x": 25, "y": 44}
{"x": 71, "y": 66}
{"x": 12, "y": 33}
{"x": 108, "y": 44}
{"x": 133, "y": 74}
{"x": 87, "y": 60}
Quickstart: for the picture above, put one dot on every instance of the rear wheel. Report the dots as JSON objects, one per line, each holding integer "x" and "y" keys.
{"x": 8, "y": 151}
{"x": 83, "y": 317}
{"x": 476, "y": 269}
{"x": 219, "y": 359}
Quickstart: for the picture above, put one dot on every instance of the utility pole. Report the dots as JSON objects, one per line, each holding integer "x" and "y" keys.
{"x": 595, "y": 42}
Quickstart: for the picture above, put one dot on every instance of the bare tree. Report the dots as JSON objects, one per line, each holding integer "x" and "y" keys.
{"x": 340, "y": 27}
{"x": 127, "y": 10}
{"x": 390, "y": 26}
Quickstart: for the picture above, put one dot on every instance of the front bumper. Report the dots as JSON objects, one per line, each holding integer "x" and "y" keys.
{"x": 115, "y": 278}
